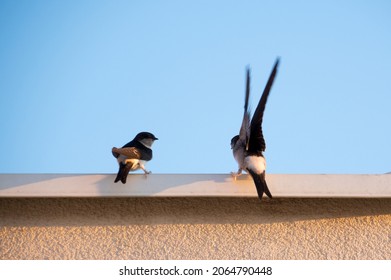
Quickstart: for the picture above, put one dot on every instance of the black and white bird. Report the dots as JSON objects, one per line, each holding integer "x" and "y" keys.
{"x": 134, "y": 155}
{"x": 249, "y": 145}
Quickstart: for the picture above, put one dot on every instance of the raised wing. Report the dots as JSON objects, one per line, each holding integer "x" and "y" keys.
{"x": 256, "y": 144}
{"x": 244, "y": 133}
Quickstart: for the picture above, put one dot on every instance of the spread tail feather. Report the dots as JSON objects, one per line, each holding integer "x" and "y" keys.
{"x": 260, "y": 184}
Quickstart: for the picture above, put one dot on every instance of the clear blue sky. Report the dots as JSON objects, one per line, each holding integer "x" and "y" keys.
{"x": 79, "y": 77}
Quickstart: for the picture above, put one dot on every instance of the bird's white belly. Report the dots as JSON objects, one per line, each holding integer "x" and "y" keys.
{"x": 135, "y": 162}
{"x": 239, "y": 157}
{"x": 256, "y": 164}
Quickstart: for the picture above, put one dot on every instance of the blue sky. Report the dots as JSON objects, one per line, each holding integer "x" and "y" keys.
{"x": 79, "y": 77}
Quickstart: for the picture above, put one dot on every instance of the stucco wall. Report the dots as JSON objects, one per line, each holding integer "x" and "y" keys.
{"x": 195, "y": 228}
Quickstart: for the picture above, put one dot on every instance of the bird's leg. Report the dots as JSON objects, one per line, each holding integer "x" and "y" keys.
{"x": 236, "y": 174}
{"x": 146, "y": 172}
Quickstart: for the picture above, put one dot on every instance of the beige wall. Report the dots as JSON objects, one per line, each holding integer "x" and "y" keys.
{"x": 195, "y": 228}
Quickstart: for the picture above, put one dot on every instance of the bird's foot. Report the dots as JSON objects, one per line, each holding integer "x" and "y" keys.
{"x": 146, "y": 173}
{"x": 235, "y": 174}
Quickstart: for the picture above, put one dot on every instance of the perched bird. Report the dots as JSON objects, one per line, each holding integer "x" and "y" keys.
{"x": 249, "y": 145}
{"x": 134, "y": 155}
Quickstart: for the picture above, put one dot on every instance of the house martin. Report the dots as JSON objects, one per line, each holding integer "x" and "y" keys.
{"x": 134, "y": 155}
{"x": 249, "y": 145}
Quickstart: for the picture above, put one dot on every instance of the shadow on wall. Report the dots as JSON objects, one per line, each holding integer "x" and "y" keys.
{"x": 155, "y": 211}
{"x": 159, "y": 184}
{"x": 103, "y": 184}
{"x": 9, "y": 181}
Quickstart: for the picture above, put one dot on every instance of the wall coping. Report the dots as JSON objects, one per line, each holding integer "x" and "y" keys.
{"x": 194, "y": 185}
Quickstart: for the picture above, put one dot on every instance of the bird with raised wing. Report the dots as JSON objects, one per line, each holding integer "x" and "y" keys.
{"x": 134, "y": 155}
{"x": 249, "y": 145}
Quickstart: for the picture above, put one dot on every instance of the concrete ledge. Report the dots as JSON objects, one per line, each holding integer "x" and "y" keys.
{"x": 192, "y": 185}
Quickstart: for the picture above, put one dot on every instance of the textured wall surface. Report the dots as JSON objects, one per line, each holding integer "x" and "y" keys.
{"x": 194, "y": 228}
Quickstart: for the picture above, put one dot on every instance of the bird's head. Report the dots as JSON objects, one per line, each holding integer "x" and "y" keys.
{"x": 146, "y": 138}
{"x": 234, "y": 140}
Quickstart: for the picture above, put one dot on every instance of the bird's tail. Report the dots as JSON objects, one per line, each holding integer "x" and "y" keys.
{"x": 260, "y": 184}
{"x": 123, "y": 172}
{"x": 120, "y": 172}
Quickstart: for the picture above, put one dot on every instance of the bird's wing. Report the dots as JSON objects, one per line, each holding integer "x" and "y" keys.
{"x": 257, "y": 143}
{"x": 129, "y": 152}
{"x": 244, "y": 133}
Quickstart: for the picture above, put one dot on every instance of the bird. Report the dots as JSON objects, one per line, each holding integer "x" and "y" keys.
{"x": 249, "y": 145}
{"x": 134, "y": 155}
